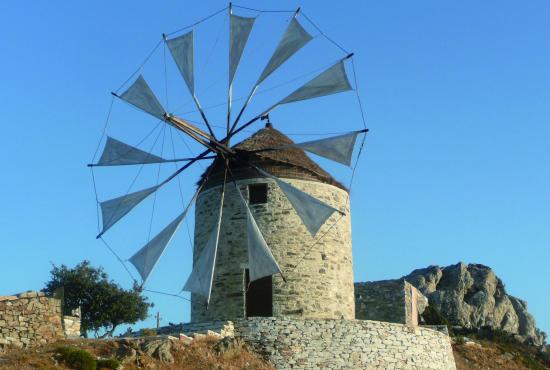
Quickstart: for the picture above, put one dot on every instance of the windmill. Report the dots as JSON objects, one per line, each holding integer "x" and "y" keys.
{"x": 312, "y": 212}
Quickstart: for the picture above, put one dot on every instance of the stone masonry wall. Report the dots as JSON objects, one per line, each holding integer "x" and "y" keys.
{"x": 28, "y": 319}
{"x": 224, "y": 328}
{"x": 394, "y": 301}
{"x": 291, "y": 343}
{"x": 322, "y": 284}
{"x": 72, "y": 326}
{"x": 346, "y": 344}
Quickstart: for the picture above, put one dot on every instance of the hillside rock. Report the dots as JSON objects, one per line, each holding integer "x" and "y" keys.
{"x": 472, "y": 296}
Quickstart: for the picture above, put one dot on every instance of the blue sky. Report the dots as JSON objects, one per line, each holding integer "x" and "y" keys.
{"x": 455, "y": 166}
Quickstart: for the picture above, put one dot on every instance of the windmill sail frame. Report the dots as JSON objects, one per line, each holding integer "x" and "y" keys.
{"x": 313, "y": 212}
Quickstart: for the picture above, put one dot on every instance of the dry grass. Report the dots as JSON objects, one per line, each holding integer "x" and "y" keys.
{"x": 200, "y": 354}
{"x": 489, "y": 355}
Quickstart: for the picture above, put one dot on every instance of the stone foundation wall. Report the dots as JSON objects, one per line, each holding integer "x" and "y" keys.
{"x": 29, "y": 318}
{"x": 346, "y": 344}
{"x": 290, "y": 343}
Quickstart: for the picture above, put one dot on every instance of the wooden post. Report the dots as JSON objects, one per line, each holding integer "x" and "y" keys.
{"x": 158, "y": 319}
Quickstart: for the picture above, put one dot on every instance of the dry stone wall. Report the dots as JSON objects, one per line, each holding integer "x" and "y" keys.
{"x": 322, "y": 284}
{"x": 29, "y": 318}
{"x": 224, "y": 328}
{"x": 291, "y": 343}
{"x": 346, "y": 344}
{"x": 71, "y": 325}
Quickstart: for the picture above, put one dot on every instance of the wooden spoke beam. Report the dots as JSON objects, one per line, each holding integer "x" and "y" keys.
{"x": 197, "y": 134}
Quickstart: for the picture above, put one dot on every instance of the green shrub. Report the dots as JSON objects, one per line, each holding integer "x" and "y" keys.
{"x": 459, "y": 339}
{"x": 148, "y": 332}
{"x": 109, "y": 363}
{"x": 432, "y": 316}
{"x": 496, "y": 335}
{"x": 77, "y": 359}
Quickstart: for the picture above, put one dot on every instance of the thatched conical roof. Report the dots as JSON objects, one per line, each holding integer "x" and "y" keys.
{"x": 291, "y": 163}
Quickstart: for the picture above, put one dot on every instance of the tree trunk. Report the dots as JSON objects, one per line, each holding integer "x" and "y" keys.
{"x": 109, "y": 333}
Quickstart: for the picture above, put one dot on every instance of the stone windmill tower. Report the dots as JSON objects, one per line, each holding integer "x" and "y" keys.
{"x": 318, "y": 276}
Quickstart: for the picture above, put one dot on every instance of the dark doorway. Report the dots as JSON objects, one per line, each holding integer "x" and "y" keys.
{"x": 258, "y": 296}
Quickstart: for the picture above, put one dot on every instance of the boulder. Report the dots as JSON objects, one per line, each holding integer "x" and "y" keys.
{"x": 158, "y": 348}
{"x": 472, "y": 296}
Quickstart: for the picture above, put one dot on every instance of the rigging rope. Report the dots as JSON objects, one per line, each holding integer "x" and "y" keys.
{"x": 198, "y": 22}
{"x": 107, "y": 119}
{"x": 352, "y": 172}
{"x": 209, "y": 56}
{"x": 118, "y": 258}
{"x": 168, "y": 294}
{"x": 157, "y": 182}
{"x": 259, "y": 92}
{"x": 135, "y": 178}
{"x": 181, "y": 192}
{"x": 315, "y": 242}
{"x": 96, "y": 200}
{"x": 324, "y": 34}
{"x": 180, "y": 135}
{"x": 141, "y": 66}
{"x": 364, "y": 125}
{"x": 264, "y": 11}
{"x": 165, "y": 80}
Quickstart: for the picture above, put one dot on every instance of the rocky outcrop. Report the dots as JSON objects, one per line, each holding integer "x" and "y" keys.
{"x": 472, "y": 296}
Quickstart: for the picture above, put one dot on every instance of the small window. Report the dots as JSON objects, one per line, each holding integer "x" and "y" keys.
{"x": 257, "y": 193}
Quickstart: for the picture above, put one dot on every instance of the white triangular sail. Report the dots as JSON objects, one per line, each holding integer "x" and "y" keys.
{"x": 337, "y": 148}
{"x": 117, "y": 153}
{"x": 202, "y": 276}
{"x": 181, "y": 49}
{"x": 331, "y": 81}
{"x": 239, "y": 31}
{"x": 147, "y": 257}
{"x": 294, "y": 38}
{"x": 313, "y": 212}
{"x": 114, "y": 209}
{"x": 261, "y": 262}
{"x": 140, "y": 95}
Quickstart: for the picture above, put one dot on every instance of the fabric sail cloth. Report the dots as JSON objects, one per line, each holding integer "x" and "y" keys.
{"x": 313, "y": 212}
{"x": 331, "y": 81}
{"x": 117, "y": 153}
{"x": 114, "y": 209}
{"x": 294, "y": 38}
{"x": 239, "y": 31}
{"x": 140, "y": 95}
{"x": 181, "y": 49}
{"x": 202, "y": 275}
{"x": 147, "y": 257}
{"x": 261, "y": 262}
{"x": 337, "y": 148}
